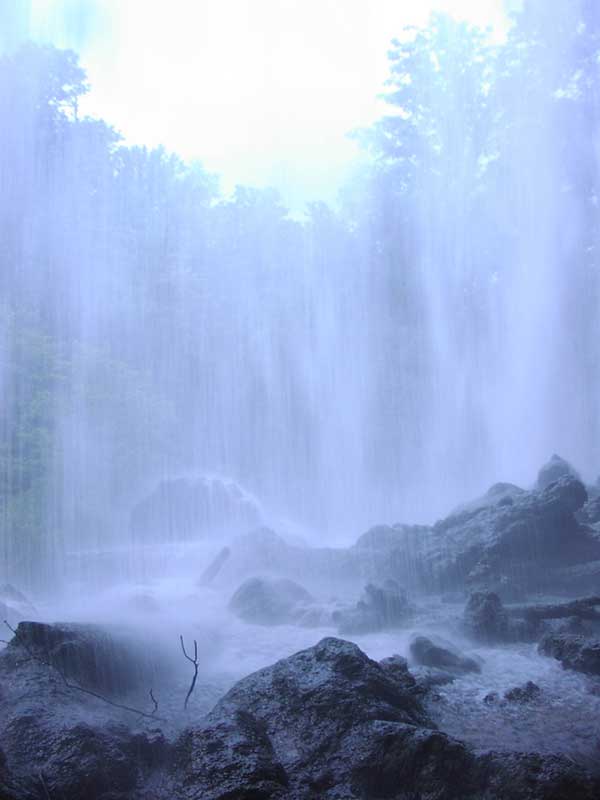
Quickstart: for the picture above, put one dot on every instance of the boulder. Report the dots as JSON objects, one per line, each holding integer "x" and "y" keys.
{"x": 330, "y": 723}
{"x": 215, "y": 566}
{"x": 88, "y": 655}
{"x": 428, "y": 654}
{"x": 590, "y": 512}
{"x": 485, "y": 619}
{"x": 553, "y": 470}
{"x": 81, "y": 760}
{"x": 188, "y": 508}
{"x": 381, "y": 607}
{"x": 527, "y": 693}
{"x": 500, "y": 494}
{"x": 271, "y": 601}
{"x": 580, "y": 653}
{"x": 523, "y": 540}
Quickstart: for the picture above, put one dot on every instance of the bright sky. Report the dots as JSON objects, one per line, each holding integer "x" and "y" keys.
{"x": 260, "y": 91}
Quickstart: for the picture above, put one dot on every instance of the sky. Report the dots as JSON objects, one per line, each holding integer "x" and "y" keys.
{"x": 262, "y": 92}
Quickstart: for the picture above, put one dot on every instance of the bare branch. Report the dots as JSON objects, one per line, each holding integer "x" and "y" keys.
{"x": 76, "y": 687}
{"x": 193, "y": 661}
{"x": 154, "y": 701}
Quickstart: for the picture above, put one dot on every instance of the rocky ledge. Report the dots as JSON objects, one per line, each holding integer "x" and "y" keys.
{"x": 327, "y": 722}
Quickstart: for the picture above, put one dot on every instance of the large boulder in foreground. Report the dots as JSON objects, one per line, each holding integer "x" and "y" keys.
{"x": 330, "y": 723}
{"x": 271, "y": 601}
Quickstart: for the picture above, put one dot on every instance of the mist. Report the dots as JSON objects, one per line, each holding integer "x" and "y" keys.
{"x": 249, "y": 393}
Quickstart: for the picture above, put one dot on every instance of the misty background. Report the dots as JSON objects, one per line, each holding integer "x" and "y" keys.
{"x": 201, "y": 274}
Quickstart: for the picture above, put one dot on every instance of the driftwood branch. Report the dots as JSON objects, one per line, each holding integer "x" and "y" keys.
{"x": 193, "y": 661}
{"x": 75, "y": 686}
{"x": 584, "y": 609}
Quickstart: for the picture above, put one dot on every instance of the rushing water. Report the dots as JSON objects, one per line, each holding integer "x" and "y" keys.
{"x": 564, "y": 718}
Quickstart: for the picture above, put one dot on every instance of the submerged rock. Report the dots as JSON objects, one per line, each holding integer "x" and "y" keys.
{"x": 579, "y": 653}
{"x": 271, "y": 601}
{"x": 523, "y": 694}
{"x": 381, "y": 607}
{"x": 428, "y": 654}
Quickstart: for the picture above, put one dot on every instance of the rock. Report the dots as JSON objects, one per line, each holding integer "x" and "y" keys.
{"x": 83, "y": 760}
{"x": 396, "y": 668}
{"x": 523, "y": 694}
{"x": 499, "y": 494}
{"x": 553, "y": 470}
{"x": 579, "y": 653}
{"x": 330, "y": 723}
{"x": 213, "y": 569}
{"x": 87, "y": 655}
{"x": 230, "y": 758}
{"x": 591, "y": 511}
{"x": 188, "y": 508}
{"x": 485, "y": 618}
{"x": 428, "y": 654}
{"x": 270, "y": 601}
{"x": 504, "y": 547}
{"x": 262, "y": 551}
{"x": 381, "y": 607}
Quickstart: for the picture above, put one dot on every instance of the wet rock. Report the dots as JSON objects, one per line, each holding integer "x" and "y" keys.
{"x": 396, "y": 668}
{"x": 528, "y": 542}
{"x": 491, "y": 698}
{"x": 231, "y": 757}
{"x": 429, "y": 654}
{"x": 330, "y": 723}
{"x": 85, "y": 654}
{"x": 553, "y": 470}
{"x": 527, "y": 693}
{"x": 381, "y": 607}
{"x": 271, "y": 601}
{"x": 591, "y": 511}
{"x": 530, "y": 776}
{"x": 501, "y": 494}
{"x": 485, "y": 618}
{"x": 188, "y": 508}
{"x": 263, "y": 551}
{"x": 81, "y": 760}
{"x": 579, "y": 653}
{"x": 213, "y": 569}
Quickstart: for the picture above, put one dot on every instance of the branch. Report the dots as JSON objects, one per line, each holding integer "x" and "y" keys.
{"x": 193, "y": 661}
{"x": 154, "y": 701}
{"x": 585, "y": 608}
{"x": 76, "y": 687}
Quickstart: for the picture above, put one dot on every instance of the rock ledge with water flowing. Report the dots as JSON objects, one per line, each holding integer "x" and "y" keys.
{"x": 327, "y": 722}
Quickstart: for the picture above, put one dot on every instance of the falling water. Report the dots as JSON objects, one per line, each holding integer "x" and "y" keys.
{"x": 378, "y": 362}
